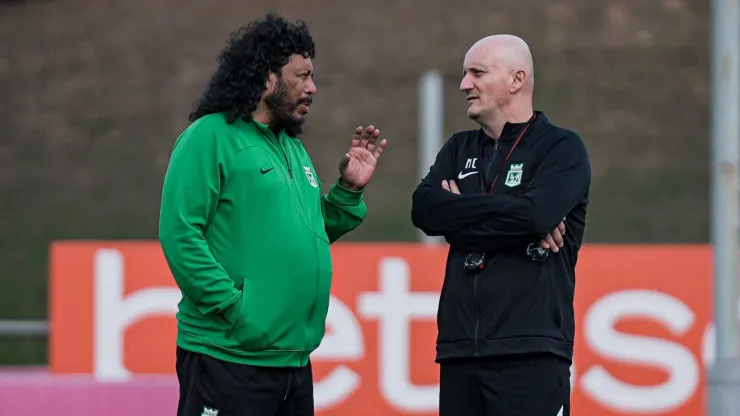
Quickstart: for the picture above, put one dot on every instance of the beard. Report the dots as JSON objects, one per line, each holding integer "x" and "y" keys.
{"x": 282, "y": 110}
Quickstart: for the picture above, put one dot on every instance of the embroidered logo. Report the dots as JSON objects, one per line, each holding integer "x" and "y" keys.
{"x": 514, "y": 176}
{"x": 207, "y": 411}
{"x": 310, "y": 177}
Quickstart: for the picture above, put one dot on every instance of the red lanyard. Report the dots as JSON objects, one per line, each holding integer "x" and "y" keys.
{"x": 524, "y": 130}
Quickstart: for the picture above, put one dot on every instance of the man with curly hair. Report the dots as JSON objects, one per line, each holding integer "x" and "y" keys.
{"x": 246, "y": 231}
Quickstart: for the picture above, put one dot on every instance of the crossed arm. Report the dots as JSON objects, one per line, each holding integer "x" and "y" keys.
{"x": 483, "y": 222}
{"x": 551, "y": 241}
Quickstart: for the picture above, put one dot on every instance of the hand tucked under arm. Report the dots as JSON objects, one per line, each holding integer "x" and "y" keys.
{"x": 437, "y": 211}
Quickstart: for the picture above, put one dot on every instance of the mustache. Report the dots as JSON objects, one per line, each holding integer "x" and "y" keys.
{"x": 306, "y": 101}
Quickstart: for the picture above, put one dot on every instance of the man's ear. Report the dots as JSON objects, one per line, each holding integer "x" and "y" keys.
{"x": 518, "y": 80}
{"x": 270, "y": 82}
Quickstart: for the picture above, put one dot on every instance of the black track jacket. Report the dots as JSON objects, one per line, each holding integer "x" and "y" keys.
{"x": 516, "y": 304}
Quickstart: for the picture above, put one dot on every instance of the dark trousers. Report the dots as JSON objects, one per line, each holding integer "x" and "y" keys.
{"x": 213, "y": 387}
{"x": 536, "y": 385}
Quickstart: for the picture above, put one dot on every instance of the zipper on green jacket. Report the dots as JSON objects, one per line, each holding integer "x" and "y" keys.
{"x": 266, "y": 131}
{"x": 285, "y": 156}
{"x": 280, "y": 143}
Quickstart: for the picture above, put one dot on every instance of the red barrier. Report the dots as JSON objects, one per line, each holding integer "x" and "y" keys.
{"x": 644, "y": 331}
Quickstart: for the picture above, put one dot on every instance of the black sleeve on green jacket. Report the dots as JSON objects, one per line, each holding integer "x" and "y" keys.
{"x": 561, "y": 181}
{"x": 189, "y": 197}
{"x": 343, "y": 210}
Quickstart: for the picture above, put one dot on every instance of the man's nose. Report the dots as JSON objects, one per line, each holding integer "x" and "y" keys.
{"x": 310, "y": 87}
{"x": 466, "y": 84}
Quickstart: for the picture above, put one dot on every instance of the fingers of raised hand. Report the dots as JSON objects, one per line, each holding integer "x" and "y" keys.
{"x": 379, "y": 148}
{"x": 362, "y": 137}
{"x": 357, "y": 136}
{"x": 369, "y": 138}
{"x": 445, "y": 185}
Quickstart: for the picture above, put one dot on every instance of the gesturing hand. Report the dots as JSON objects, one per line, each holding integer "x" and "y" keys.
{"x": 358, "y": 164}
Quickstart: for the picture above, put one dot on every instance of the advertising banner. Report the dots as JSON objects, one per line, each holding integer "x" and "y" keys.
{"x": 644, "y": 327}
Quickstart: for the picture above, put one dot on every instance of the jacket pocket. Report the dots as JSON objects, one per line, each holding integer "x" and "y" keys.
{"x": 248, "y": 333}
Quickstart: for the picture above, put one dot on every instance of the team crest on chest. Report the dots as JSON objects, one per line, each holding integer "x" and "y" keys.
{"x": 310, "y": 177}
{"x": 514, "y": 176}
{"x": 207, "y": 411}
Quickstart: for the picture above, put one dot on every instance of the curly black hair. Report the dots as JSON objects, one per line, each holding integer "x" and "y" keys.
{"x": 251, "y": 54}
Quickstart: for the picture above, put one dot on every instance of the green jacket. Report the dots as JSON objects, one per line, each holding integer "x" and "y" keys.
{"x": 246, "y": 233}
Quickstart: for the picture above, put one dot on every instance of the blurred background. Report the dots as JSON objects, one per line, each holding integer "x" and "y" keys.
{"x": 94, "y": 93}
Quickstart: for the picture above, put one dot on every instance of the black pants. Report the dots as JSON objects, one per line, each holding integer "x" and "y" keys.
{"x": 208, "y": 385}
{"x": 536, "y": 385}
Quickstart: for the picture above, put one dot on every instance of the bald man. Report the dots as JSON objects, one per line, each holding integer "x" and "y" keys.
{"x": 503, "y": 196}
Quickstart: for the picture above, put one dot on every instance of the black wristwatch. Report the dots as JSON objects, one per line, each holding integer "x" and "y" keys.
{"x": 475, "y": 261}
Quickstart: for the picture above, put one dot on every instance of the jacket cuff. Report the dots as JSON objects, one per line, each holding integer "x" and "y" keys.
{"x": 340, "y": 195}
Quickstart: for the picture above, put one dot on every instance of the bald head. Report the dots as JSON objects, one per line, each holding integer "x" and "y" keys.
{"x": 507, "y": 51}
{"x": 498, "y": 80}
